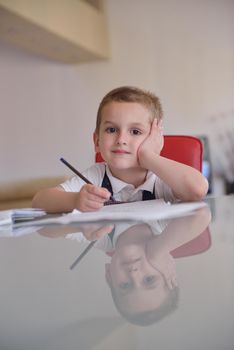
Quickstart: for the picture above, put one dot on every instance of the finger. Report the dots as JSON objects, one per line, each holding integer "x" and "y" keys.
{"x": 160, "y": 126}
{"x": 87, "y": 196}
{"x": 99, "y": 192}
{"x": 154, "y": 125}
{"x": 87, "y": 204}
{"x": 156, "y": 129}
{"x": 93, "y": 205}
{"x": 160, "y": 123}
{"x": 94, "y": 198}
{"x": 102, "y": 232}
{"x": 169, "y": 283}
{"x": 174, "y": 282}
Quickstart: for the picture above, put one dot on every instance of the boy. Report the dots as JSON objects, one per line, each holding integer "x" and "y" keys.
{"x": 129, "y": 137}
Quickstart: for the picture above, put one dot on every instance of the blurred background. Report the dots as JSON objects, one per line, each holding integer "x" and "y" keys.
{"x": 59, "y": 58}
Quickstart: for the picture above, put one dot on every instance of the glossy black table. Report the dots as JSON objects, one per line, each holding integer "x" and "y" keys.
{"x": 46, "y": 305}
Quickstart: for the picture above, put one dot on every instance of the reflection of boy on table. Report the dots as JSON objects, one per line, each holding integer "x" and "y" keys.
{"x": 142, "y": 274}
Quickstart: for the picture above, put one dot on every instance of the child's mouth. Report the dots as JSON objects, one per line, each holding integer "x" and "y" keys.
{"x": 120, "y": 151}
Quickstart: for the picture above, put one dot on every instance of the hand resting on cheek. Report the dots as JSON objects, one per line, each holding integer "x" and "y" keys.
{"x": 152, "y": 145}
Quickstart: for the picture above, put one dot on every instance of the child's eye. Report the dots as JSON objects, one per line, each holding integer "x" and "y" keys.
{"x": 136, "y": 132}
{"x": 149, "y": 280}
{"x": 111, "y": 129}
{"x": 124, "y": 285}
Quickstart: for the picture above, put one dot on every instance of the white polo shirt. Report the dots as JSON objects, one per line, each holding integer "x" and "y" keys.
{"x": 122, "y": 191}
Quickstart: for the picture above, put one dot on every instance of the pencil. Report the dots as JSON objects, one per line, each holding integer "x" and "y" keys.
{"x": 110, "y": 201}
{"x": 75, "y": 171}
{"x": 82, "y": 255}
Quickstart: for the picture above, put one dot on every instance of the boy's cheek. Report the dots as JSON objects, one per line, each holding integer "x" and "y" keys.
{"x": 143, "y": 140}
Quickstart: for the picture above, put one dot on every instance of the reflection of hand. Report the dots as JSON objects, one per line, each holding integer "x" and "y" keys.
{"x": 152, "y": 145}
{"x": 91, "y": 232}
{"x": 178, "y": 232}
{"x": 165, "y": 264}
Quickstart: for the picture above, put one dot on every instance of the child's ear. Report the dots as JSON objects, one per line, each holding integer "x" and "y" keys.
{"x": 96, "y": 141}
{"x": 107, "y": 274}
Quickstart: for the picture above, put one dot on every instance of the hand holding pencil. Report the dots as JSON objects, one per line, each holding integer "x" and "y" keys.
{"x": 56, "y": 200}
{"x": 90, "y": 197}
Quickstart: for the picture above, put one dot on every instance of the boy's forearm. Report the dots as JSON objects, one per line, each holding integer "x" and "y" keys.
{"x": 53, "y": 200}
{"x": 186, "y": 182}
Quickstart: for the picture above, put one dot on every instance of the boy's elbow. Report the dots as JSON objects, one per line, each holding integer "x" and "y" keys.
{"x": 193, "y": 190}
{"x": 199, "y": 191}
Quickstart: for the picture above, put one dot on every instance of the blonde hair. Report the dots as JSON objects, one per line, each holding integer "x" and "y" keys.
{"x": 131, "y": 94}
{"x": 148, "y": 317}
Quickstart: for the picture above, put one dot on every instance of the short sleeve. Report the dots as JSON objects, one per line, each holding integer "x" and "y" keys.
{"x": 94, "y": 174}
{"x": 162, "y": 190}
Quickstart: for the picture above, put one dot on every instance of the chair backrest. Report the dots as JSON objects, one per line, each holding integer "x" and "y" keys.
{"x": 181, "y": 148}
{"x": 184, "y": 149}
{"x": 198, "y": 245}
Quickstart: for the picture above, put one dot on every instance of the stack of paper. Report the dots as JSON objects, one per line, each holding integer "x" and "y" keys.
{"x": 8, "y": 217}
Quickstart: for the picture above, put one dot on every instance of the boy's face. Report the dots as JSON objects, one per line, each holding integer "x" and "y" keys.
{"x": 137, "y": 284}
{"x": 124, "y": 126}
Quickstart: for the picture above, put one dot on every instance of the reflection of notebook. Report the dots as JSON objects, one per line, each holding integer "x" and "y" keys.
{"x": 196, "y": 246}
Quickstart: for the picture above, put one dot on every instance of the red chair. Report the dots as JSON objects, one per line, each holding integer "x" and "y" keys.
{"x": 184, "y": 149}
{"x": 187, "y": 150}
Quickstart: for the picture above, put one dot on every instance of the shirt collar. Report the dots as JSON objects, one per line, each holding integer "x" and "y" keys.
{"x": 118, "y": 185}
{"x": 148, "y": 185}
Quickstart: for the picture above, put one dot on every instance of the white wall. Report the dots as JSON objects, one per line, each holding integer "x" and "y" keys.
{"x": 183, "y": 50}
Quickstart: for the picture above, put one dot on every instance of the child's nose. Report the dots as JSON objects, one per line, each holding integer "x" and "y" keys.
{"x": 132, "y": 268}
{"x": 121, "y": 139}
